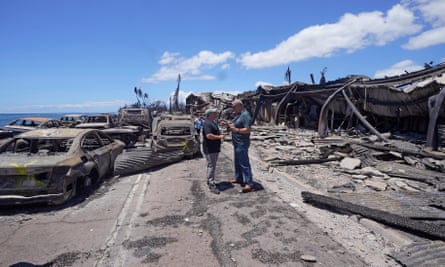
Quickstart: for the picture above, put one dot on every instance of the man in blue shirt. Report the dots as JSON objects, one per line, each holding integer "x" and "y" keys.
{"x": 198, "y": 124}
{"x": 240, "y": 128}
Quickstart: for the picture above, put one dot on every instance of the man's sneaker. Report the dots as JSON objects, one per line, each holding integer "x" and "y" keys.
{"x": 246, "y": 189}
{"x": 214, "y": 189}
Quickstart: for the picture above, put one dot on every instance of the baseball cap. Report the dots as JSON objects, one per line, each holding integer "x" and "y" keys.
{"x": 210, "y": 110}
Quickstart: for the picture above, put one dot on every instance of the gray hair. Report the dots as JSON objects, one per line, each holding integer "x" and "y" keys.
{"x": 236, "y": 102}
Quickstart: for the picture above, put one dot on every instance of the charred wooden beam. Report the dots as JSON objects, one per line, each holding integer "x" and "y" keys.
{"x": 282, "y": 102}
{"x": 434, "y": 105}
{"x": 258, "y": 106}
{"x": 304, "y": 161}
{"x": 421, "y": 228}
{"x": 362, "y": 119}
{"x": 403, "y": 150}
{"x": 322, "y": 120}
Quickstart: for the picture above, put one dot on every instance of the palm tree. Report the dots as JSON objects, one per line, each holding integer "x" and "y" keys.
{"x": 140, "y": 93}
{"x": 136, "y": 91}
{"x": 146, "y": 98}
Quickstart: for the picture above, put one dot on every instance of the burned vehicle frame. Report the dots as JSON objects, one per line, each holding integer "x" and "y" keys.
{"x": 173, "y": 134}
{"x": 21, "y": 125}
{"x": 49, "y": 165}
{"x": 71, "y": 120}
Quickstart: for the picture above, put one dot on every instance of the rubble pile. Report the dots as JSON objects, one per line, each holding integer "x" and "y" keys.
{"x": 358, "y": 164}
{"x": 398, "y": 183}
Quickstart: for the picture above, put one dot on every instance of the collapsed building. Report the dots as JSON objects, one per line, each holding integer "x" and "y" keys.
{"x": 407, "y": 103}
{"x": 411, "y": 103}
{"x": 197, "y": 103}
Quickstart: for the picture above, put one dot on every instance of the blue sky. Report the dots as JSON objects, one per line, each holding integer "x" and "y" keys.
{"x": 88, "y": 55}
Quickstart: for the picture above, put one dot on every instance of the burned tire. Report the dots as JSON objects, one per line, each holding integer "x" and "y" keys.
{"x": 71, "y": 191}
{"x": 87, "y": 182}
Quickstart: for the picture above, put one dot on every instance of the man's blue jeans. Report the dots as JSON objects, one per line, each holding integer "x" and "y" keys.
{"x": 242, "y": 164}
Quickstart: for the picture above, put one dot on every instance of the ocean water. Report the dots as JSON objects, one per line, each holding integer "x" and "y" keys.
{"x": 6, "y": 118}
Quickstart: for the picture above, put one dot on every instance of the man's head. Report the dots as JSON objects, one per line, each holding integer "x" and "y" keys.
{"x": 211, "y": 113}
{"x": 237, "y": 105}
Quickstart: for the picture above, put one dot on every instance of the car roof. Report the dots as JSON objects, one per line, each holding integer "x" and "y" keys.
{"x": 73, "y": 115}
{"x": 39, "y": 119}
{"x": 54, "y": 133}
{"x": 102, "y": 114}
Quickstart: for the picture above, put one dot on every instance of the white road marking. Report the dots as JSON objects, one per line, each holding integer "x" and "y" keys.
{"x": 117, "y": 227}
{"x": 122, "y": 255}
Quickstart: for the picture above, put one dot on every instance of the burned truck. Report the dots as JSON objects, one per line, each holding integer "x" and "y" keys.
{"x": 136, "y": 116}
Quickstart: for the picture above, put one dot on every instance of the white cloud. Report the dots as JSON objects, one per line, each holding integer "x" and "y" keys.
{"x": 225, "y": 66}
{"x": 428, "y": 38}
{"x": 431, "y": 12}
{"x": 191, "y": 68}
{"x": 350, "y": 33}
{"x": 398, "y": 68}
{"x": 169, "y": 58}
{"x": 261, "y": 83}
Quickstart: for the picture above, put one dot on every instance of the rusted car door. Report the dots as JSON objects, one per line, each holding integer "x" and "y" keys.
{"x": 98, "y": 152}
{"x": 115, "y": 146}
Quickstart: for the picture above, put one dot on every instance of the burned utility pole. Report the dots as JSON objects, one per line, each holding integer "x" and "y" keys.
{"x": 177, "y": 94}
{"x": 287, "y": 75}
{"x": 323, "y": 77}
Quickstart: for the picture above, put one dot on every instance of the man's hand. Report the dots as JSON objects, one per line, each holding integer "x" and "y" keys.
{"x": 224, "y": 123}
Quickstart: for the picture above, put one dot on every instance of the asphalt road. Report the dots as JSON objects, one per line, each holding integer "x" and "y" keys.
{"x": 167, "y": 217}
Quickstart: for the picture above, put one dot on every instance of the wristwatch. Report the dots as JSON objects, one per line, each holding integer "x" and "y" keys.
{"x": 238, "y": 130}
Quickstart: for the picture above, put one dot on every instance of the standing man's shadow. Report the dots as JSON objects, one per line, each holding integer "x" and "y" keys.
{"x": 222, "y": 186}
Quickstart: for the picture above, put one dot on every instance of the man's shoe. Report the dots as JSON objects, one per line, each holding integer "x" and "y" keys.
{"x": 246, "y": 189}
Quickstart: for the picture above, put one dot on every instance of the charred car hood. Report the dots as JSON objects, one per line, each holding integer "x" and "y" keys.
{"x": 93, "y": 125}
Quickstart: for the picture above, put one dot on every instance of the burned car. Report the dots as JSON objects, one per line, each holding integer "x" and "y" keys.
{"x": 49, "y": 165}
{"x": 71, "y": 120}
{"x": 30, "y": 123}
{"x": 99, "y": 121}
{"x": 107, "y": 123}
{"x": 6, "y": 133}
{"x": 175, "y": 134}
{"x": 135, "y": 116}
